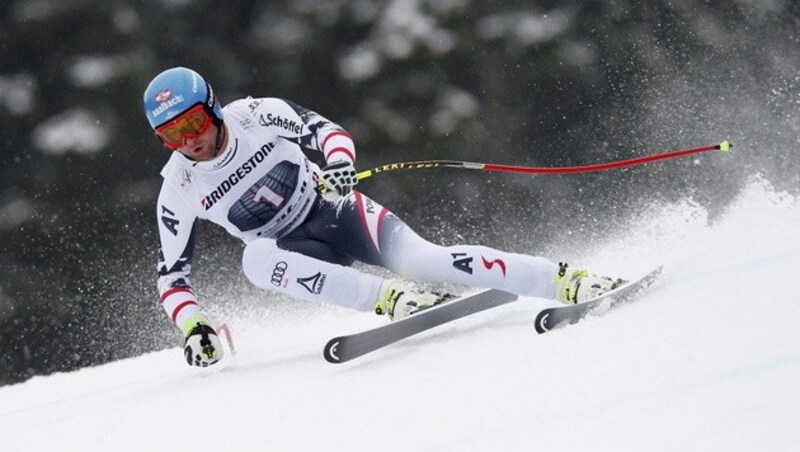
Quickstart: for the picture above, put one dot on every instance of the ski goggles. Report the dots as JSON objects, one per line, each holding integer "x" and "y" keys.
{"x": 190, "y": 124}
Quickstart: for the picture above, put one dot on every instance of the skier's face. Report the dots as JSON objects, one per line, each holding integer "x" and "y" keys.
{"x": 190, "y": 124}
{"x": 202, "y": 147}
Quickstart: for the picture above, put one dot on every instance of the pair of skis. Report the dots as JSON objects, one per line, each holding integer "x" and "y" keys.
{"x": 345, "y": 348}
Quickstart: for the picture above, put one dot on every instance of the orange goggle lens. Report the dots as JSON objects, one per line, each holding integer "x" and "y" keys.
{"x": 190, "y": 124}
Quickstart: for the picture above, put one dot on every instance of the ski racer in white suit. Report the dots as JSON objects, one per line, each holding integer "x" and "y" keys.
{"x": 242, "y": 167}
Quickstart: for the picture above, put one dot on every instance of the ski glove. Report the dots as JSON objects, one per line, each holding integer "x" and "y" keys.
{"x": 338, "y": 178}
{"x": 202, "y": 347}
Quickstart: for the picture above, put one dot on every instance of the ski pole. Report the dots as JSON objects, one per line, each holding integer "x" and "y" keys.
{"x": 423, "y": 164}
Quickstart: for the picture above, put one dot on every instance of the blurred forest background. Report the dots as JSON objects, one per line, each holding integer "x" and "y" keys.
{"x": 543, "y": 83}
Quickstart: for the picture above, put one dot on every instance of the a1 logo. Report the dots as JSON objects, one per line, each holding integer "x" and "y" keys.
{"x": 462, "y": 261}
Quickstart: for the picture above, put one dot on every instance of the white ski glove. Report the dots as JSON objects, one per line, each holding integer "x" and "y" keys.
{"x": 202, "y": 347}
{"x": 338, "y": 179}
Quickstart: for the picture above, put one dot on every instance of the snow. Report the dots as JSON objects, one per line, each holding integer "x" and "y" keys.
{"x": 17, "y": 93}
{"x": 707, "y": 360}
{"x": 361, "y": 63}
{"x": 15, "y": 210}
{"x": 453, "y": 106}
{"x": 526, "y": 28}
{"x": 403, "y": 27}
{"x": 76, "y": 130}
{"x": 36, "y": 10}
{"x": 94, "y": 71}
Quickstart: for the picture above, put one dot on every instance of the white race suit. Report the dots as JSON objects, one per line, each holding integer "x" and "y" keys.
{"x": 262, "y": 189}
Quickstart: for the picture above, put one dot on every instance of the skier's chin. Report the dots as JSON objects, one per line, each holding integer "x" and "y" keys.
{"x": 200, "y": 153}
{"x": 204, "y": 153}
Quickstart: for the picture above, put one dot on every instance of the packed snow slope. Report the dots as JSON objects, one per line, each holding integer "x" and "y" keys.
{"x": 709, "y": 359}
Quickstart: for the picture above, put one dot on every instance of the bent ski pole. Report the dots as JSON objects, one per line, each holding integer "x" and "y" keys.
{"x": 421, "y": 164}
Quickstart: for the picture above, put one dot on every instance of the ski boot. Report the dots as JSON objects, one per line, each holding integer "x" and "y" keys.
{"x": 201, "y": 346}
{"x": 398, "y": 299}
{"x": 576, "y": 285}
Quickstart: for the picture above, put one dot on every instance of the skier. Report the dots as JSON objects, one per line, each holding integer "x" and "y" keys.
{"x": 242, "y": 167}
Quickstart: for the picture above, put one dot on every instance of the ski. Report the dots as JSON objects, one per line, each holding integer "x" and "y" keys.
{"x": 551, "y": 318}
{"x": 344, "y": 348}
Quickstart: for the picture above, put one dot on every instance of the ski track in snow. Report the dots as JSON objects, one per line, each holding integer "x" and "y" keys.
{"x": 708, "y": 359}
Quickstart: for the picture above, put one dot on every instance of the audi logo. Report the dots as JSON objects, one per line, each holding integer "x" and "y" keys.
{"x": 278, "y": 272}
